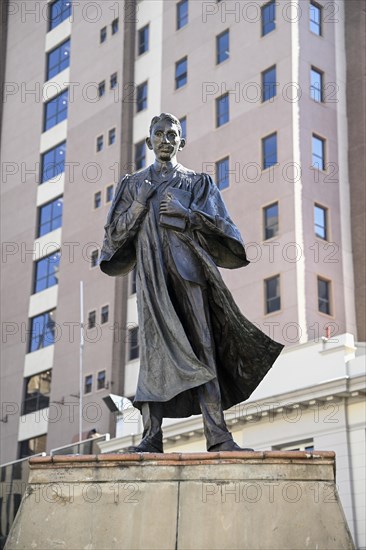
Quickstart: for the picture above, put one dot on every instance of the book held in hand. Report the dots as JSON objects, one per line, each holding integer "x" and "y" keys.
{"x": 176, "y": 222}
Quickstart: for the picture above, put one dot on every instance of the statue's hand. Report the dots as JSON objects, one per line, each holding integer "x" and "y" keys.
{"x": 172, "y": 207}
{"x": 146, "y": 191}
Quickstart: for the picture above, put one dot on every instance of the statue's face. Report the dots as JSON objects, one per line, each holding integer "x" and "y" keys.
{"x": 165, "y": 140}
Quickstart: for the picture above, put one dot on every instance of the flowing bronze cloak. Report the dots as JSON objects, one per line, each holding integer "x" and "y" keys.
{"x": 169, "y": 369}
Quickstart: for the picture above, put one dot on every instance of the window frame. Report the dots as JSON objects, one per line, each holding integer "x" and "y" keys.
{"x": 132, "y": 348}
{"x": 264, "y": 167}
{"x": 324, "y": 154}
{"x": 55, "y": 164}
{"x": 50, "y": 221}
{"x": 182, "y": 19}
{"x": 40, "y": 400}
{"x": 183, "y": 75}
{"x": 86, "y": 377}
{"x": 112, "y": 132}
{"x": 218, "y": 38}
{"x": 313, "y": 89}
{"x": 142, "y": 97}
{"x": 94, "y": 257}
{"x": 326, "y": 219}
{"x": 217, "y": 169}
{"x": 272, "y": 22}
{"x": 113, "y": 81}
{"x": 44, "y": 334}
{"x": 59, "y": 63}
{"x": 143, "y": 44}
{"x": 321, "y": 278}
{"x": 107, "y": 191}
{"x": 143, "y": 158}
{"x": 102, "y": 314}
{"x": 101, "y": 88}
{"x": 315, "y": 23}
{"x": 60, "y": 111}
{"x": 267, "y": 227}
{"x": 97, "y": 200}
{"x": 103, "y": 34}
{"x": 49, "y": 274}
{"x": 271, "y": 86}
{"x": 67, "y": 11}
{"x": 266, "y": 299}
{"x": 220, "y": 115}
{"x": 105, "y": 380}
{"x": 92, "y": 323}
{"x": 99, "y": 143}
{"x": 115, "y": 26}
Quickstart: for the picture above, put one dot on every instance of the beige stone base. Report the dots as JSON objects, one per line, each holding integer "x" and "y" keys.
{"x": 236, "y": 500}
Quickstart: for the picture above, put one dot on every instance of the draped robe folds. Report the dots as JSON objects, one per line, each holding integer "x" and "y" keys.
{"x": 169, "y": 368}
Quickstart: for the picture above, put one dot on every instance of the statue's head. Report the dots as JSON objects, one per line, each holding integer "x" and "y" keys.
{"x": 165, "y": 137}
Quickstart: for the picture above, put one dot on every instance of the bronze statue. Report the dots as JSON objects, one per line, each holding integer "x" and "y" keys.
{"x": 198, "y": 353}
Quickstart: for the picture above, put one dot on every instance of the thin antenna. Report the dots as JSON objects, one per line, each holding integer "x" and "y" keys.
{"x": 81, "y": 360}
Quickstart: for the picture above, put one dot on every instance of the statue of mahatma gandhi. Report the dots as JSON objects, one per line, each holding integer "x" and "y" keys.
{"x": 198, "y": 353}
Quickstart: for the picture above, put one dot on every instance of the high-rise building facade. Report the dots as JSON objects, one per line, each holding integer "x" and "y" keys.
{"x": 264, "y": 93}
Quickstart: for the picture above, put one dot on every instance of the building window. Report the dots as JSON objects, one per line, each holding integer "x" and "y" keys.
{"x": 94, "y": 258}
{"x": 58, "y": 12}
{"x": 33, "y": 446}
{"x": 315, "y": 18}
{"x": 268, "y": 17}
{"x": 141, "y": 97}
{"x": 50, "y": 216}
{"x": 222, "y": 47}
{"x": 133, "y": 340}
{"x": 321, "y": 222}
{"x": 111, "y": 136}
{"x": 103, "y": 35}
{"x": 269, "y": 151}
{"x": 113, "y": 81}
{"x": 101, "y": 380}
{"x": 222, "y": 173}
{"x": 58, "y": 59}
{"x": 88, "y": 383}
{"x": 318, "y": 156}
{"x": 37, "y": 392}
{"x": 324, "y": 296}
{"x": 46, "y": 272}
{"x": 140, "y": 155}
{"x": 269, "y": 83}
{"x": 270, "y": 220}
{"x": 53, "y": 162}
{"x": 272, "y": 293}
{"x": 115, "y": 25}
{"x": 181, "y": 73}
{"x": 42, "y": 333}
{"x": 143, "y": 40}
{"x": 104, "y": 315}
{"x": 182, "y": 14}
{"x": 101, "y": 88}
{"x": 183, "y": 123}
{"x": 109, "y": 193}
{"x": 222, "y": 110}
{"x": 133, "y": 281}
{"x": 100, "y": 143}
{"x": 55, "y": 110}
{"x": 92, "y": 318}
{"x": 97, "y": 199}
{"x": 316, "y": 85}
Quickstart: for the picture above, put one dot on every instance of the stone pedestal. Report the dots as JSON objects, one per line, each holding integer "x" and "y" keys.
{"x": 232, "y": 500}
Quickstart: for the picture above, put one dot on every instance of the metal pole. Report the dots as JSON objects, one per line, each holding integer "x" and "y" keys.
{"x": 81, "y": 361}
